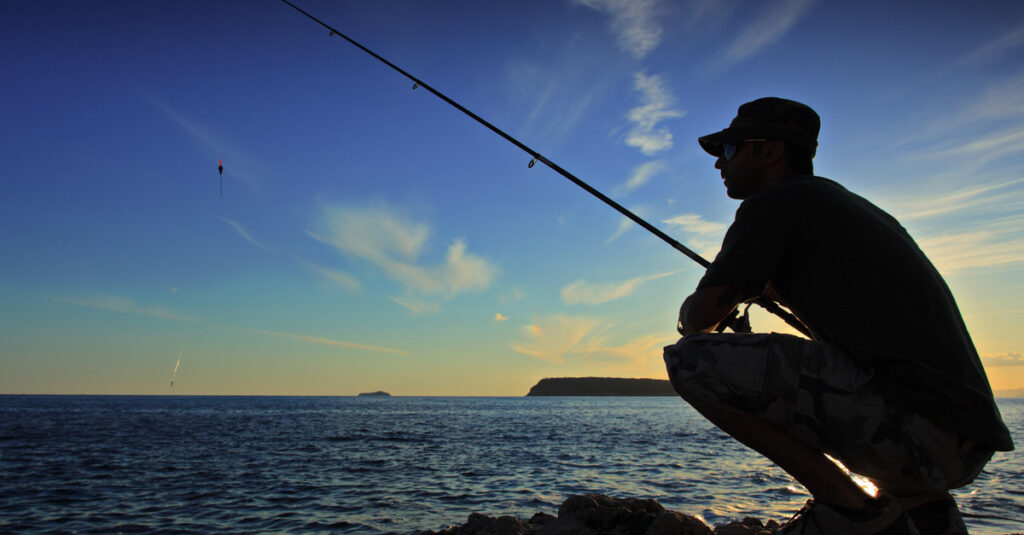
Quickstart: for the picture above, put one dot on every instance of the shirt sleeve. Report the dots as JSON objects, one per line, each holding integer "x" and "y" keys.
{"x": 754, "y": 247}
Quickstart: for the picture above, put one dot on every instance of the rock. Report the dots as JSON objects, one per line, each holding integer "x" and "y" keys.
{"x": 540, "y": 519}
{"x": 591, "y": 514}
{"x": 747, "y": 526}
{"x": 676, "y": 523}
{"x": 602, "y": 514}
{"x": 479, "y": 524}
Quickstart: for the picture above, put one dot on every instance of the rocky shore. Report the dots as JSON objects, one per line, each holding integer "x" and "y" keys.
{"x": 596, "y": 514}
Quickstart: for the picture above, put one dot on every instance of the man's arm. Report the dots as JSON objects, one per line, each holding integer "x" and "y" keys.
{"x": 704, "y": 309}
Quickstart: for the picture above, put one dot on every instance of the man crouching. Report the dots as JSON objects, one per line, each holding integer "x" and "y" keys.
{"x": 890, "y": 383}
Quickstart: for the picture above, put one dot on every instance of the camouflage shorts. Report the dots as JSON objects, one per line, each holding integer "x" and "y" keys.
{"x": 822, "y": 397}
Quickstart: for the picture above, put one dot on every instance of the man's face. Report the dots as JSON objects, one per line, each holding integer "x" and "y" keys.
{"x": 743, "y": 174}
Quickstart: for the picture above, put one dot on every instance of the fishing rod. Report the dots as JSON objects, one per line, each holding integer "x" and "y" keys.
{"x": 767, "y": 304}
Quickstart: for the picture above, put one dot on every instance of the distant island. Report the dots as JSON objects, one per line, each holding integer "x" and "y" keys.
{"x": 377, "y": 394}
{"x": 601, "y": 386}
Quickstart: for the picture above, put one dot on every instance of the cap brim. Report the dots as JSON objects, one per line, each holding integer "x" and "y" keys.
{"x": 714, "y": 144}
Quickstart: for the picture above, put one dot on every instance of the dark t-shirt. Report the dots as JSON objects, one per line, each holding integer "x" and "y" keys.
{"x": 854, "y": 276}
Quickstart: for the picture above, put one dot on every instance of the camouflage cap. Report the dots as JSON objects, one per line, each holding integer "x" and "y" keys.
{"x": 771, "y": 118}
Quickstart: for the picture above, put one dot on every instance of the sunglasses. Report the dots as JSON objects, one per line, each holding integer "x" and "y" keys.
{"x": 729, "y": 149}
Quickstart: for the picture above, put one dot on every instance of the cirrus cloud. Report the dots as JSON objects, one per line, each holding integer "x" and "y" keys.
{"x": 583, "y": 292}
{"x": 635, "y": 23}
{"x": 768, "y": 27}
{"x": 1003, "y": 359}
{"x": 655, "y": 106}
{"x": 394, "y": 244}
{"x": 642, "y": 174}
{"x": 113, "y": 303}
{"x": 705, "y": 236}
{"x": 243, "y": 233}
{"x": 560, "y": 338}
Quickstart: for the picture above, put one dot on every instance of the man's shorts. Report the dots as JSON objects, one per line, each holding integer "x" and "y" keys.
{"x": 819, "y": 395}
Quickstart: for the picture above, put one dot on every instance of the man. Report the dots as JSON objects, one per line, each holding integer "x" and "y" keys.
{"x": 890, "y": 383}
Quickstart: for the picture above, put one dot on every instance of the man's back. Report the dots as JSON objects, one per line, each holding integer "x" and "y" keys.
{"x": 853, "y": 275}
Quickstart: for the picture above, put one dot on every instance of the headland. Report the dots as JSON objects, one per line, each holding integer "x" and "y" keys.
{"x": 601, "y": 386}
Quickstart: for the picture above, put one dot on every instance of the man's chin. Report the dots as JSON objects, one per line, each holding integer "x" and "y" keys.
{"x": 733, "y": 193}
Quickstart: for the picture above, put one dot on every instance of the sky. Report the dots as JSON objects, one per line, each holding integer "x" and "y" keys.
{"x": 371, "y": 237}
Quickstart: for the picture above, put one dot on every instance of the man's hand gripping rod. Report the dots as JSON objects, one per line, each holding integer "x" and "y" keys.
{"x": 768, "y": 304}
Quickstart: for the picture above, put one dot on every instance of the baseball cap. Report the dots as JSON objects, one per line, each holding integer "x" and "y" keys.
{"x": 772, "y": 118}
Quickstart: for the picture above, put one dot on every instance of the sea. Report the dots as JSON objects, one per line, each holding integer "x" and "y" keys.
{"x": 206, "y": 464}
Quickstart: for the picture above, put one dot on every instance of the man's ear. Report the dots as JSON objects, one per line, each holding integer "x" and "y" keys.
{"x": 774, "y": 152}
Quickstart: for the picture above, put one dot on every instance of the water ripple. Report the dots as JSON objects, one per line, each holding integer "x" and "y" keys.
{"x": 399, "y": 465}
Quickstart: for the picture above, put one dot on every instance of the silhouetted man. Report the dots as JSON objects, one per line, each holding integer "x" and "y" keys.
{"x": 891, "y": 384}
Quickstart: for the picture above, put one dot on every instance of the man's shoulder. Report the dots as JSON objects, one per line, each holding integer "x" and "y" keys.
{"x": 793, "y": 195}
{"x": 807, "y": 185}
{"x": 802, "y": 194}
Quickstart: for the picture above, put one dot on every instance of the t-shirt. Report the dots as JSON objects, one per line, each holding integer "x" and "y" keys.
{"x": 855, "y": 277}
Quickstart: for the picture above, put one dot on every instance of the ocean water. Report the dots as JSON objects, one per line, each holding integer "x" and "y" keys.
{"x": 110, "y": 464}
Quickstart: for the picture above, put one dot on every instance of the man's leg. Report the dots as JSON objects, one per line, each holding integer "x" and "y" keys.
{"x": 808, "y": 465}
{"x": 792, "y": 399}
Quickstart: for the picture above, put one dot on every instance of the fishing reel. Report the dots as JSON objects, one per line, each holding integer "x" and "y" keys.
{"x": 739, "y": 323}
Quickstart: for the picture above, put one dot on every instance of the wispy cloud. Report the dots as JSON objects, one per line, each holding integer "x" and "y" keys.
{"x": 236, "y": 163}
{"x": 334, "y": 276}
{"x": 768, "y": 27}
{"x": 558, "y": 94}
{"x": 393, "y": 243}
{"x": 969, "y": 197}
{"x": 989, "y": 146}
{"x": 515, "y": 294}
{"x": 703, "y": 236}
{"x": 626, "y": 224}
{"x": 977, "y": 225}
{"x": 125, "y": 305}
{"x": 994, "y": 49}
{"x": 554, "y": 337}
{"x": 641, "y": 175}
{"x": 695, "y": 224}
{"x": 243, "y": 233}
{"x": 1003, "y": 359}
{"x": 417, "y": 307}
{"x": 500, "y": 317}
{"x": 583, "y": 292}
{"x": 324, "y": 341}
{"x": 655, "y": 106}
{"x": 989, "y": 245}
{"x": 636, "y": 354}
{"x": 559, "y": 338}
{"x": 635, "y": 22}
{"x": 994, "y": 112}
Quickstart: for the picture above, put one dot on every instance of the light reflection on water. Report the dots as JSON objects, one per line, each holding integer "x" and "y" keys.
{"x": 356, "y": 465}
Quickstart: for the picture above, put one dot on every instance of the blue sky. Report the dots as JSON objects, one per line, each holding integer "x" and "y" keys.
{"x": 372, "y": 237}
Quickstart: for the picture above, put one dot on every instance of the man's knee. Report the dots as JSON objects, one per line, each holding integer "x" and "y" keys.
{"x": 681, "y": 361}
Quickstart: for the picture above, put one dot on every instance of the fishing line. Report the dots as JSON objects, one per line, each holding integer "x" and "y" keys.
{"x": 177, "y": 364}
{"x": 767, "y": 304}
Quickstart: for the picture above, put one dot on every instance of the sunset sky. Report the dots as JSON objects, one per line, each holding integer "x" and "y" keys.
{"x": 371, "y": 237}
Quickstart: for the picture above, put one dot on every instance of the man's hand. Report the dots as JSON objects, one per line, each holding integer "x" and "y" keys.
{"x": 704, "y": 309}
